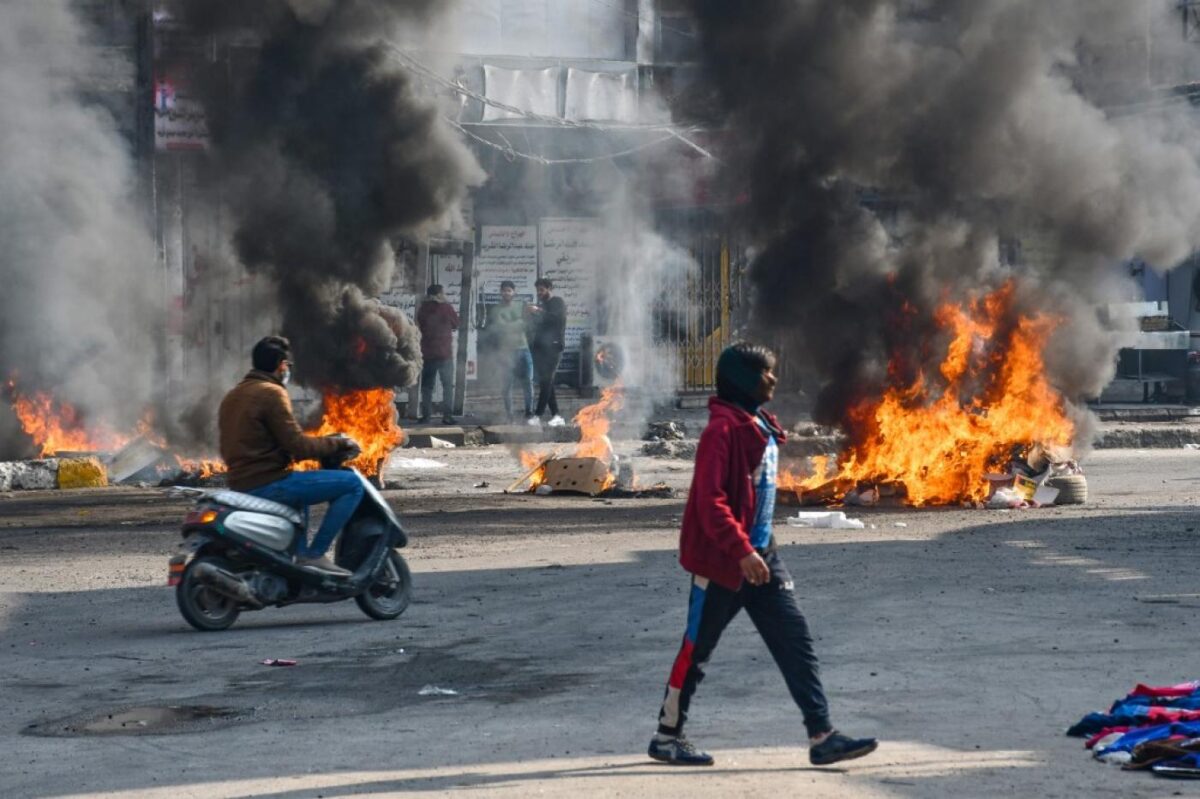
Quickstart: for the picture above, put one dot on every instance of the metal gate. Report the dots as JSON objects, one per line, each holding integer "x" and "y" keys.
{"x": 694, "y": 317}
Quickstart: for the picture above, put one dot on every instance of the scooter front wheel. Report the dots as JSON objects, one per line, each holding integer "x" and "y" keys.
{"x": 200, "y": 605}
{"x": 391, "y": 592}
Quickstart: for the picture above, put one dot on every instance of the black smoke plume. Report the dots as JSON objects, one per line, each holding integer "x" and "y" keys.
{"x": 895, "y": 149}
{"x": 328, "y": 154}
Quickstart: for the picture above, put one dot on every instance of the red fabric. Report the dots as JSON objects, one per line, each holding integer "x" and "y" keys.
{"x": 1104, "y": 733}
{"x": 1166, "y": 691}
{"x": 720, "y": 507}
{"x": 1168, "y": 715}
{"x": 683, "y": 662}
{"x": 437, "y": 322}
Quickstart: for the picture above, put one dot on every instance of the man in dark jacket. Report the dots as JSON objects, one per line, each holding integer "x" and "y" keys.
{"x": 727, "y": 546}
{"x": 260, "y": 439}
{"x": 548, "y": 320}
{"x": 437, "y": 320}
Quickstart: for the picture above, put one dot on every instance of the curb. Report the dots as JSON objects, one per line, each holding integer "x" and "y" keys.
{"x": 1166, "y": 437}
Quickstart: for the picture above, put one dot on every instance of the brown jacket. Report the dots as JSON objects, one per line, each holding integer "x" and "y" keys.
{"x": 259, "y": 436}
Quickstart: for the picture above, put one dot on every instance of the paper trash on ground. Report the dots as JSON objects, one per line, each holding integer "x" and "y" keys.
{"x": 831, "y": 520}
{"x": 415, "y": 463}
{"x": 1045, "y": 495}
{"x": 433, "y": 690}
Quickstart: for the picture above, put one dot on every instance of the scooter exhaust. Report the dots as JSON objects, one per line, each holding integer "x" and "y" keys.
{"x": 226, "y": 584}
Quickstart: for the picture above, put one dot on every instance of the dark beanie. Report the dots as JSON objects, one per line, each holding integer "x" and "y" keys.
{"x": 739, "y": 372}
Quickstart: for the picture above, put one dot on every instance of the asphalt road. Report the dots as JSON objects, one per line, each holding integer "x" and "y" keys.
{"x": 965, "y": 640}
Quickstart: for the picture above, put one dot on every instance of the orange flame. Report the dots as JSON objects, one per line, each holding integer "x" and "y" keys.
{"x": 57, "y": 426}
{"x": 939, "y": 438}
{"x": 593, "y": 422}
{"x": 203, "y": 468}
{"x": 369, "y": 417}
{"x": 534, "y": 462}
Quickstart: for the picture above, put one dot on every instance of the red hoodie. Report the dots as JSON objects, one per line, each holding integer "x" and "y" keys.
{"x": 720, "y": 506}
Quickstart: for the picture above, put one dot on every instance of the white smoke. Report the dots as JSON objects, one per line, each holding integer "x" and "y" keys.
{"x": 76, "y": 259}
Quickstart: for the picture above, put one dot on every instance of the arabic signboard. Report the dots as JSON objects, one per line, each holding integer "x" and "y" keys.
{"x": 569, "y": 251}
{"x": 507, "y": 252}
{"x": 179, "y": 119}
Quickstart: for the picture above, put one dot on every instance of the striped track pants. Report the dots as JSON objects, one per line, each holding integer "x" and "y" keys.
{"x": 773, "y": 609}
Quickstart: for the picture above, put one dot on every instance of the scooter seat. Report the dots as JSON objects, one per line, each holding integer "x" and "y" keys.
{"x": 236, "y": 499}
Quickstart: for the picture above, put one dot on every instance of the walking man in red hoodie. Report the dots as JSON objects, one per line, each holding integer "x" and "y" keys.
{"x": 727, "y": 546}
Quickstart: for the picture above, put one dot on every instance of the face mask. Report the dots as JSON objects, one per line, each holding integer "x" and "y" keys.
{"x": 286, "y": 377}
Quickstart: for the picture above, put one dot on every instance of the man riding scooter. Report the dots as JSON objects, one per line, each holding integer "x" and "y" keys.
{"x": 260, "y": 439}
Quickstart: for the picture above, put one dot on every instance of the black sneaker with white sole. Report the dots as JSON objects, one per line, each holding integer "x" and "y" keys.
{"x": 838, "y": 747}
{"x": 677, "y": 751}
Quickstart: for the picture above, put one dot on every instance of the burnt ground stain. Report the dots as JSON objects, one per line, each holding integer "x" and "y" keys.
{"x": 357, "y": 681}
{"x": 141, "y": 720}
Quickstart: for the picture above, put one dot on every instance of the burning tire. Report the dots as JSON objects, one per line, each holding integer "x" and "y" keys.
{"x": 391, "y": 593}
{"x": 1072, "y": 489}
{"x": 201, "y": 606}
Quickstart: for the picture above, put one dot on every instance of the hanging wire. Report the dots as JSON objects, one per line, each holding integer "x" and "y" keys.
{"x": 512, "y": 153}
{"x": 413, "y": 64}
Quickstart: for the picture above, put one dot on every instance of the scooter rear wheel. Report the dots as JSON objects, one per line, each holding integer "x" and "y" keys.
{"x": 200, "y": 605}
{"x": 388, "y": 596}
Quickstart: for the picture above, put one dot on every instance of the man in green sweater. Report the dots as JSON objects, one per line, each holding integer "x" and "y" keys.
{"x": 506, "y": 327}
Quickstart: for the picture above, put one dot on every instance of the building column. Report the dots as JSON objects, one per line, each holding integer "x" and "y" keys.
{"x": 647, "y": 12}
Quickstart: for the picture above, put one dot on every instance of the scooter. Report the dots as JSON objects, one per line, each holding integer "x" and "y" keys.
{"x": 238, "y": 550}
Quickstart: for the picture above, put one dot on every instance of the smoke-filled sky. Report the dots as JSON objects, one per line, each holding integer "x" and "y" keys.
{"x": 971, "y": 119}
{"x": 328, "y": 153}
{"x": 77, "y": 313}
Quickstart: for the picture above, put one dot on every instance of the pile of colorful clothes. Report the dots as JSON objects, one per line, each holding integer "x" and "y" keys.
{"x": 1155, "y": 728}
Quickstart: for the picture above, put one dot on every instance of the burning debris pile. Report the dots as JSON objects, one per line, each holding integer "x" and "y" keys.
{"x": 323, "y": 156}
{"x": 941, "y": 194}
{"x": 940, "y": 438}
{"x": 593, "y": 466}
{"x": 369, "y": 417}
{"x": 57, "y": 430}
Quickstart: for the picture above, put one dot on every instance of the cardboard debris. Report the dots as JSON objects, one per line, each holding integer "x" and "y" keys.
{"x": 137, "y": 462}
{"x": 1045, "y": 495}
{"x": 579, "y": 475}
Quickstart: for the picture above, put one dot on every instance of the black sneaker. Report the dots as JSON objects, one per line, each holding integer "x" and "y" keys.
{"x": 838, "y": 747}
{"x": 423, "y": 420}
{"x": 678, "y": 752}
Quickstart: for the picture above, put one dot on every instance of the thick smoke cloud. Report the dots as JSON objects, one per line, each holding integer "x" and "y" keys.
{"x": 976, "y": 123}
{"x": 328, "y": 153}
{"x": 76, "y": 258}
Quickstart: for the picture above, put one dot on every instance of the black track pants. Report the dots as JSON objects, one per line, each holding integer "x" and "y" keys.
{"x": 773, "y": 609}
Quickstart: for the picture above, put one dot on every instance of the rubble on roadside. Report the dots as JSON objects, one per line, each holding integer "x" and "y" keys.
{"x": 1034, "y": 477}
{"x": 667, "y": 448}
{"x": 665, "y": 431}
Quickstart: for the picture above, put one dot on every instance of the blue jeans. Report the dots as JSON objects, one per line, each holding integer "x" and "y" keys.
{"x": 341, "y": 489}
{"x": 521, "y": 368}
{"x": 432, "y": 371}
